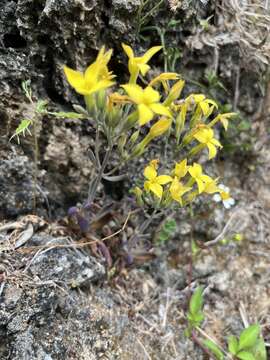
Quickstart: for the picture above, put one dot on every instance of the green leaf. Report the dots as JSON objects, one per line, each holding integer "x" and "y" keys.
{"x": 26, "y": 86}
{"x": 214, "y": 349}
{"x": 232, "y": 345}
{"x": 170, "y": 225}
{"x": 22, "y": 129}
{"x": 244, "y": 125}
{"x": 198, "y": 317}
{"x": 194, "y": 248}
{"x": 196, "y": 301}
{"x": 167, "y": 231}
{"x": 41, "y": 106}
{"x": 249, "y": 336}
{"x": 260, "y": 350}
{"x": 244, "y": 355}
{"x": 67, "y": 115}
{"x": 80, "y": 110}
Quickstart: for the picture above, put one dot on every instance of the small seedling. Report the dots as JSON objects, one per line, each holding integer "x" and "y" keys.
{"x": 249, "y": 346}
{"x": 166, "y": 232}
{"x": 195, "y": 314}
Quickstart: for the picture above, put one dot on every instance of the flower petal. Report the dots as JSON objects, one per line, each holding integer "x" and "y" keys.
{"x": 150, "y": 95}
{"x": 147, "y": 185}
{"x": 206, "y": 178}
{"x": 196, "y": 97}
{"x": 195, "y": 170}
{"x": 151, "y": 52}
{"x": 200, "y": 185}
{"x": 160, "y": 109}
{"x": 156, "y": 189}
{"x": 150, "y": 173}
{"x": 163, "y": 179}
{"x": 216, "y": 143}
{"x": 128, "y": 50}
{"x": 135, "y": 92}
{"x": 212, "y": 150}
{"x": 181, "y": 169}
{"x": 75, "y": 78}
{"x": 164, "y": 76}
{"x": 217, "y": 198}
{"x": 145, "y": 114}
{"x": 204, "y": 107}
{"x": 92, "y": 72}
{"x": 103, "y": 84}
{"x": 211, "y": 187}
{"x": 143, "y": 68}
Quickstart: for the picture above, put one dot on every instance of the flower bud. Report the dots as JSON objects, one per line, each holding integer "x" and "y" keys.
{"x": 175, "y": 92}
{"x": 138, "y": 193}
{"x": 160, "y": 127}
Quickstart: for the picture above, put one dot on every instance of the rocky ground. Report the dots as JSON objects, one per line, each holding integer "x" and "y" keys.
{"x": 60, "y": 298}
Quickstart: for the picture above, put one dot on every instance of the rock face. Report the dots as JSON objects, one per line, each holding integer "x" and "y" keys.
{"x": 36, "y": 39}
{"x": 38, "y": 36}
{"x": 43, "y": 313}
{"x": 17, "y": 187}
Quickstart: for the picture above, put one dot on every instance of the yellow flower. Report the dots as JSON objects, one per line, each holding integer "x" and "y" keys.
{"x": 202, "y": 102}
{"x": 224, "y": 195}
{"x": 206, "y": 136}
{"x": 181, "y": 169}
{"x": 177, "y": 190}
{"x": 96, "y": 77}
{"x": 154, "y": 163}
{"x": 201, "y": 179}
{"x": 154, "y": 182}
{"x": 224, "y": 119}
{"x": 211, "y": 187}
{"x": 163, "y": 78}
{"x": 139, "y": 64}
{"x": 160, "y": 127}
{"x": 148, "y": 102}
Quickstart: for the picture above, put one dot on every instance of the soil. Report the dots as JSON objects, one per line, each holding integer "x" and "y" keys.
{"x": 62, "y": 296}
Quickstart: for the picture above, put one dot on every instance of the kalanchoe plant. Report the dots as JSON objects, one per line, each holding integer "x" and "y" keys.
{"x": 131, "y": 116}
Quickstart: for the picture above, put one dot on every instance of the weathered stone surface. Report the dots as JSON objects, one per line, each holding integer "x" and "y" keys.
{"x": 17, "y": 187}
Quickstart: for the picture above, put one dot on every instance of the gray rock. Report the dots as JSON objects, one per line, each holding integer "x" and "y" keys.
{"x": 17, "y": 187}
{"x": 45, "y": 318}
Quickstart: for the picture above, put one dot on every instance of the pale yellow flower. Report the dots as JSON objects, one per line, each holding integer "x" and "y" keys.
{"x": 96, "y": 77}
{"x": 138, "y": 64}
{"x": 181, "y": 169}
{"x": 177, "y": 190}
{"x": 147, "y": 101}
{"x": 206, "y": 136}
{"x": 154, "y": 182}
{"x": 197, "y": 174}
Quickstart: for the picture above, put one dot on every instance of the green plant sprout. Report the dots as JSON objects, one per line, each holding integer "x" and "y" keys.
{"x": 145, "y": 11}
{"x": 170, "y": 54}
{"x": 166, "y": 231}
{"x": 249, "y": 346}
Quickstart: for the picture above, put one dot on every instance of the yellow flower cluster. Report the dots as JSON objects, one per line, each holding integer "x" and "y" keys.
{"x": 124, "y": 114}
{"x": 184, "y": 183}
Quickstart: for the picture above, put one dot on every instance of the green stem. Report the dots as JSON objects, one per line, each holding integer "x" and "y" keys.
{"x": 94, "y": 185}
{"x": 150, "y": 12}
{"x": 36, "y": 150}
